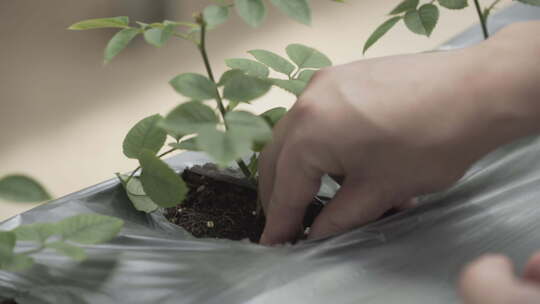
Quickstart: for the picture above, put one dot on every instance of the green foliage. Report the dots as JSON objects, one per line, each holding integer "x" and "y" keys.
{"x": 296, "y": 9}
{"x": 119, "y": 42}
{"x": 160, "y": 182}
{"x": 293, "y": 86}
{"x": 306, "y": 75}
{"x": 381, "y": 31}
{"x": 145, "y": 135}
{"x": 226, "y": 135}
{"x": 248, "y": 125}
{"x": 531, "y": 2}
{"x": 307, "y": 57}
{"x": 74, "y": 252}
{"x": 7, "y": 244}
{"x": 453, "y": 4}
{"x": 21, "y": 188}
{"x": 81, "y": 229}
{"x": 405, "y": 6}
{"x": 113, "y": 22}
{"x": 252, "y": 12}
{"x": 38, "y": 232}
{"x": 89, "y": 228}
{"x": 188, "y": 144}
{"x": 250, "y": 67}
{"x": 273, "y": 61}
{"x": 189, "y": 118}
{"x": 423, "y": 20}
{"x": 194, "y": 86}
{"x": 223, "y": 147}
{"x": 158, "y": 36}
{"x": 215, "y": 15}
{"x": 136, "y": 194}
{"x": 273, "y": 116}
{"x": 241, "y": 87}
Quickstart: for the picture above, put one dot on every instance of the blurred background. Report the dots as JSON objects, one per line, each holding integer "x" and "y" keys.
{"x": 63, "y": 114}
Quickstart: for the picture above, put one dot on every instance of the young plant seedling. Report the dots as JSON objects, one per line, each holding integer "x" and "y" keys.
{"x": 226, "y": 134}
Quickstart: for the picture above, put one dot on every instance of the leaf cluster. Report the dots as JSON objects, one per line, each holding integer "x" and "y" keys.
{"x": 422, "y": 19}
{"x": 63, "y": 237}
{"x": 196, "y": 126}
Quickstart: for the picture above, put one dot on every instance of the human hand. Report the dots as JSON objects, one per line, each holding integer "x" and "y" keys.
{"x": 491, "y": 280}
{"x": 394, "y": 128}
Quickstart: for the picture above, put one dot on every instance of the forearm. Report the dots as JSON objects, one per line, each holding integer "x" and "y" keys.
{"x": 507, "y": 69}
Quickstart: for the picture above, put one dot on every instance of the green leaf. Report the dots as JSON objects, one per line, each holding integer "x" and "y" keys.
{"x": 38, "y": 232}
{"x": 119, "y": 42}
{"x": 453, "y": 4}
{"x": 160, "y": 182}
{"x": 7, "y": 244}
{"x": 306, "y": 75}
{"x": 307, "y": 57}
{"x": 273, "y": 61}
{"x": 252, "y": 12}
{"x": 9, "y": 260}
{"x": 293, "y": 86}
{"x": 113, "y": 22}
{"x": 158, "y": 36}
{"x": 17, "y": 262}
{"x": 215, "y": 15}
{"x": 380, "y": 31}
{"x": 244, "y": 88}
{"x": 531, "y": 2}
{"x": 189, "y": 144}
{"x": 423, "y": 20}
{"x": 405, "y": 6}
{"x": 189, "y": 118}
{"x": 273, "y": 116}
{"x": 145, "y": 135}
{"x": 137, "y": 196}
{"x": 296, "y": 9}
{"x": 195, "y": 86}
{"x": 68, "y": 250}
{"x": 228, "y": 75}
{"x": 89, "y": 228}
{"x": 232, "y": 105}
{"x": 20, "y": 188}
{"x": 248, "y": 125}
{"x": 250, "y": 67}
{"x": 253, "y": 164}
{"x": 223, "y": 147}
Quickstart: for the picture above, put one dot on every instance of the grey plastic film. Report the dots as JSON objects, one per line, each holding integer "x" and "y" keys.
{"x": 411, "y": 257}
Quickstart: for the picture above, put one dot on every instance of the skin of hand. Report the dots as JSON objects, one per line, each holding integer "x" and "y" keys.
{"x": 491, "y": 280}
{"x": 395, "y": 128}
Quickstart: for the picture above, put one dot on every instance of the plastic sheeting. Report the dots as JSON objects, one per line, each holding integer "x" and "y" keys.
{"x": 412, "y": 257}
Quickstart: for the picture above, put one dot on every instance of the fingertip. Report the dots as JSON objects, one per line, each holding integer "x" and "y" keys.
{"x": 532, "y": 269}
{"x": 488, "y": 279}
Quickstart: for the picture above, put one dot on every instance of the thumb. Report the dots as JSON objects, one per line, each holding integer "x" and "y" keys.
{"x": 491, "y": 280}
{"x": 354, "y": 205}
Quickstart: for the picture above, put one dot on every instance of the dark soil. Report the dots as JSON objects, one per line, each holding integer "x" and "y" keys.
{"x": 220, "y": 209}
{"x": 9, "y": 301}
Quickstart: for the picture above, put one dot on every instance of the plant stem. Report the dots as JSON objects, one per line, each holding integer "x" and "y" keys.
{"x": 483, "y": 22}
{"x": 202, "y": 48}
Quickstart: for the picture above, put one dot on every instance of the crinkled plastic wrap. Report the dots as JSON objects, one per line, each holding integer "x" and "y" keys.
{"x": 412, "y": 257}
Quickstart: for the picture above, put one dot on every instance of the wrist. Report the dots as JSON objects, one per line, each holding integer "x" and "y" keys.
{"x": 507, "y": 82}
